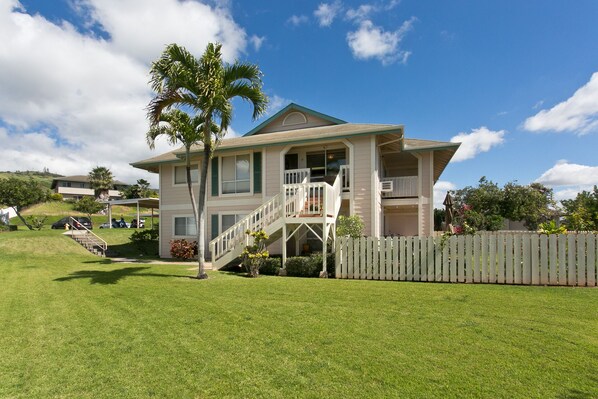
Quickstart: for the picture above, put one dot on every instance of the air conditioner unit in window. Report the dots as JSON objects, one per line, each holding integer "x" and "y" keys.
{"x": 386, "y": 186}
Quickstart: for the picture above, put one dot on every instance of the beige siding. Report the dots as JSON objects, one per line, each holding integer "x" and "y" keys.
{"x": 276, "y": 124}
{"x": 272, "y": 167}
{"x": 363, "y": 181}
{"x": 426, "y": 195}
{"x": 174, "y": 194}
{"x": 399, "y": 223}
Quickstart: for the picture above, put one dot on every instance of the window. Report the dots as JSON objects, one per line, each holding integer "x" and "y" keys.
{"x": 229, "y": 220}
{"x": 325, "y": 163}
{"x": 236, "y": 174}
{"x": 180, "y": 174}
{"x": 185, "y": 226}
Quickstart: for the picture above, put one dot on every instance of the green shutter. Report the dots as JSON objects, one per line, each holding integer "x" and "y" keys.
{"x": 215, "y": 177}
{"x": 214, "y": 226}
{"x": 257, "y": 172}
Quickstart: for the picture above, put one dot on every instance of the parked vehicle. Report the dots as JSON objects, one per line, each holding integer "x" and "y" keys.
{"x": 78, "y": 223}
{"x": 141, "y": 223}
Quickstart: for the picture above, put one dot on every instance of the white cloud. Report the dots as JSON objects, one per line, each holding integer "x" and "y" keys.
{"x": 361, "y": 13}
{"x": 257, "y": 41}
{"x": 440, "y": 189}
{"x": 160, "y": 22}
{"x": 479, "y": 140}
{"x": 326, "y": 12}
{"x": 70, "y": 101}
{"x": 564, "y": 173}
{"x": 297, "y": 20}
{"x": 578, "y": 114}
{"x": 568, "y": 179}
{"x": 276, "y": 104}
{"x": 371, "y": 41}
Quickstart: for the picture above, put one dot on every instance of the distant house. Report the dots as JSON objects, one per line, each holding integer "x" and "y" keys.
{"x": 293, "y": 175}
{"x": 77, "y": 187}
{"x": 6, "y": 214}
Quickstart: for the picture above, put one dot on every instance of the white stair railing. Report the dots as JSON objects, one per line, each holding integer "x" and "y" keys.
{"x": 296, "y": 200}
{"x": 88, "y": 235}
{"x": 256, "y": 220}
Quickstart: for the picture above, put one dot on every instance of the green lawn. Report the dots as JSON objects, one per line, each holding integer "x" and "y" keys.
{"x": 76, "y": 326}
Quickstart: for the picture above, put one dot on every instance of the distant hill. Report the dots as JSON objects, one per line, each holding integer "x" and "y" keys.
{"x": 45, "y": 178}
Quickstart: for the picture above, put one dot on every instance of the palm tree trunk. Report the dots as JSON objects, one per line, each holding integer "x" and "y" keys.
{"x": 190, "y": 187}
{"x": 201, "y": 209}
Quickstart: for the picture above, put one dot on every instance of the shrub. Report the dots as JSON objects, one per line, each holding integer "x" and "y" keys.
{"x": 36, "y": 222}
{"x": 56, "y": 197}
{"x": 144, "y": 236}
{"x": 271, "y": 266}
{"x": 302, "y": 266}
{"x": 351, "y": 226}
{"x": 254, "y": 255}
{"x": 183, "y": 249}
{"x": 316, "y": 260}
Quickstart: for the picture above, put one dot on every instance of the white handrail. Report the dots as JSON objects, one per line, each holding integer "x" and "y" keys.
{"x": 294, "y": 176}
{"x": 256, "y": 220}
{"x": 345, "y": 180}
{"x": 95, "y": 239}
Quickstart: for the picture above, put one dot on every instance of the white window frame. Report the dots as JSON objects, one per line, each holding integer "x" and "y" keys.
{"x": 221, "y": 173}
{"x": 240, "y": 214}
{"x": 175, "y": 184}
{"x": 174, "y": 217}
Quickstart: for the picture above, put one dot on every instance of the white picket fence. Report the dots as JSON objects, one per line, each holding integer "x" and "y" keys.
{"x": 529, "y": 259}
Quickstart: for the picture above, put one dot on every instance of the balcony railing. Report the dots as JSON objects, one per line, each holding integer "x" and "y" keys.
{"x": 298, "y": 176}
{"x": 405, "y": 186}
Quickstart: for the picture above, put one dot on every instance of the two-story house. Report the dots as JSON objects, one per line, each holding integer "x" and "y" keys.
{"x": 77, "y": 187}
{"x": 294, "y": 174}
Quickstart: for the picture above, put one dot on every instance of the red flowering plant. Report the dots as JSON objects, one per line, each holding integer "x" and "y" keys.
{"x": 461, "y": 226}
{"x": 183, "y": 249}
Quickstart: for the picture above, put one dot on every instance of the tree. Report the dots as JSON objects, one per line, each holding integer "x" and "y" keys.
{"x": 484, "y": 207}
{"x": 138, "y": 190}
{"x": 582, "y": 211}
{"x": 206, "y": 86}
{"x": 19, "y": 194}
{"x": 481, "y": 206}
{"x": 533, "y": 204}
{"x": 181, "y": 128}
{"x": 351, "y": 226}
{"x": 101, "y": 181}
{"x": 89, "y": 206}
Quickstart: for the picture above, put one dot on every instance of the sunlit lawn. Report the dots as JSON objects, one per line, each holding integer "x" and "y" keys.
{"x": 74, "y": 326}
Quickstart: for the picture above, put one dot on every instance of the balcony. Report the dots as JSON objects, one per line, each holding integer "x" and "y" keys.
{"x": 399, "y": 187}
{"x": 298, "y": 176}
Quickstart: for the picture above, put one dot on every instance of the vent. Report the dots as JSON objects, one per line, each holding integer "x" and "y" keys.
{"x": 294, "y": 118}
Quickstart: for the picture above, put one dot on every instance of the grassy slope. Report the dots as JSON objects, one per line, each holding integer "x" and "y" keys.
{"x": 44, "y": 178}
{"x": 76, "y": 327}
{"x": 56, "y": 210}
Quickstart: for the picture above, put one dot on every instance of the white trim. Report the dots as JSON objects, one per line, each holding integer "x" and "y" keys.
{"x": 351, "y": 148}
{"x": 175, "y": 184}
{"x": 174, "y": 235}
{"x": 221, "y": 173}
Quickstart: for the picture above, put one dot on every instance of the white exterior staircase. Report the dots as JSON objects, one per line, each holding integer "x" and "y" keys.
{"x": 301, "y": 203}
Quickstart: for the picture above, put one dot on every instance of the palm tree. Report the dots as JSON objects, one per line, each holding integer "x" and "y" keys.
{"x": 101, "y": 181}
{"x": 205, "y": 86}
{"x": 179, "y": 127}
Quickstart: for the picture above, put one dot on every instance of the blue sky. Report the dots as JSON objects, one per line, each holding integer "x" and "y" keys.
{"x": 512, "y": 79}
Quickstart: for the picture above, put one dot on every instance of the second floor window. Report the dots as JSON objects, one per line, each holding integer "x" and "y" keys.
{"x": 236, "y": 174}
{"x": 180, "y": 174}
